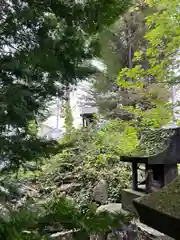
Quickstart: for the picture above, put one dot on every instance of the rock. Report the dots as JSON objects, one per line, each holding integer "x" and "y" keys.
{"x": 118, "y": 236}
{"x": 25, "y": 190}
{"x": 47, "y": 190}
{"x": 56, "y": 228}
{"x": 115, "y": 212}
{"x": 100, "y": 192}
{"x": 60, "y": 177}
{"x": 112, "y": 208}
{"x": 68, "y": 235}
{"x": 5, "y": 213}
{"x": 148, "y": 231}
{"x": 122, "y": 231}
{"x": 69, "y": 179}
{"x": 4, "y": 190}
{"x": 13, "y": 201}
{"x": 70, "y": 187}
{"x": 62, "y": 236}
{"x": 99, "y": 236}
{"x": 65, "y": 178}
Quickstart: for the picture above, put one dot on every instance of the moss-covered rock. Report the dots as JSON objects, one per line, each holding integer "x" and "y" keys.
{"x": 166, "y": 200}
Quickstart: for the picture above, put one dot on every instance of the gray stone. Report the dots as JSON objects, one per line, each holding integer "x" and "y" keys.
{"x": 70, "y": 187}
{"x": 48, "y": 189}
{"x": 69, "y": 178}
{"x": 151, "y": 232}
{"x": 66, "y": 178}
{"x": 100, "y": 192}
{"x": 112, "y": 208}
{"x": 5, "y": 213}
{"x": 62, "y": 236}
{"x": 118, "y": 236}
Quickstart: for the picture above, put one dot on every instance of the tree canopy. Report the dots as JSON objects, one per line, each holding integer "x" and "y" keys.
{"x": 163, "y": 59}
{"x": 44, "y": 46}
{"x": 120, "y": 44}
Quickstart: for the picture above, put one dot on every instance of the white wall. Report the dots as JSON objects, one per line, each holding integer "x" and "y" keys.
{"x": 55, "y": 122}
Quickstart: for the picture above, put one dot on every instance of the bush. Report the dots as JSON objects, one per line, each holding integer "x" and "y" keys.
{"x": 88, "y": 157}
{"x": 31, "y": 222}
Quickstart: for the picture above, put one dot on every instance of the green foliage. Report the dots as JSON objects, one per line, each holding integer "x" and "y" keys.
{"x": 45, "y": 46}
{"x": 161, "y": 64}
{"x": 60, "y": 38}
{"x": 31, "y": 223}
{"x": 163, "y": 36}
{"x": 33, "y": 128}
{"x": 162, "y": 54}
{"x": 127, "y": 32}
{"x": 123, "y": 49}
{"x": 96, "y": 155}
{"x": 90, "y": 155}
{"x": 118, "y": 137}
{"x": 18, "y": 221}
{"x": 68, "y": 118}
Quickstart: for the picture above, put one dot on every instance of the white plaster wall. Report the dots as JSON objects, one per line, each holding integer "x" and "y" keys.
{"x": 56, "y": 122}
{"x": 81, "y": 91}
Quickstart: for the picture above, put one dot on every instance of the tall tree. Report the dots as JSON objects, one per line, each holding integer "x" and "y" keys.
{"x": 163, "y": 57}
{"x": 43, "y": 43}
{"x": 119, "y": 46}
{"x": 68, "y": 117}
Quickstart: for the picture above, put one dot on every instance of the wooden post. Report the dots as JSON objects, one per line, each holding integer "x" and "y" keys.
{"x": 134, "y": 176}
{"x": 83, "y": 121}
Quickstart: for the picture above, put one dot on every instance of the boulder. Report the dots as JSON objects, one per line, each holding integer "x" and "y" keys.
{"x": 100, "y": 192}
{"x": 112, "y": 208}
{"x": 115, "y": 212}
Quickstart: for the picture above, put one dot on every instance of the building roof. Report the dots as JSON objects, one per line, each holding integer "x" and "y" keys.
{"x": 157, "y": 147}
{"x": 88, "y": 110}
